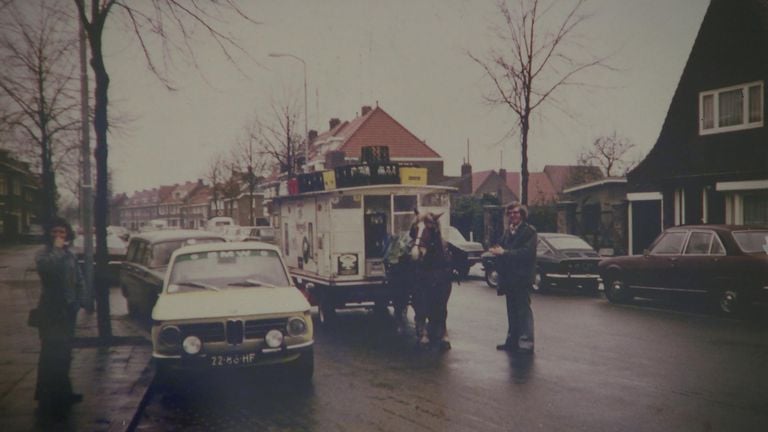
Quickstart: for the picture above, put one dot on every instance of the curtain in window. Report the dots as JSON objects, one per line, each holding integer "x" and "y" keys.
{"x": 755, "y": 104}
{"x": 731, "y": 106}
{"x": 756, "y": 208}
{"x": 708, "y": 112}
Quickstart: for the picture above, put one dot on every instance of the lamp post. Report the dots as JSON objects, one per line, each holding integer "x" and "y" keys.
{"x": 306, "y": 130}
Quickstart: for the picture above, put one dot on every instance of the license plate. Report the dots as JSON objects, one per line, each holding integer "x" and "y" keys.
{"x": 232, "y": 360}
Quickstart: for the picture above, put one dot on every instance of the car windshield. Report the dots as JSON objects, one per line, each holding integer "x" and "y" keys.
{"x": 752, "y": 241}
{"x": 229, "y": 269}
{"x": 568, "y": 242}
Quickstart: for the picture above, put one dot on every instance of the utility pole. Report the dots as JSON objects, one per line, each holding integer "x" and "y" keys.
{"x": 86, "y": 194}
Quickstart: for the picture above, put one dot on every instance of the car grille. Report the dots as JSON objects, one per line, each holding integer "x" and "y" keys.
{"x": 233, "y": 331}
{"x": 207, "y": 332}
{"x": 582, "y": 266}
{"x": 257, "y": 329}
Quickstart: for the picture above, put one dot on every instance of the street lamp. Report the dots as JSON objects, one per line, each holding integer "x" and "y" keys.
{"x": 306, "y": 131}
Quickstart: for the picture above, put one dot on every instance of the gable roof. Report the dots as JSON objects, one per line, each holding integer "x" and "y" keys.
{"x": 375, "y": 128}
{"x": 543, "y": 187}
{"x": 731, "y": 48}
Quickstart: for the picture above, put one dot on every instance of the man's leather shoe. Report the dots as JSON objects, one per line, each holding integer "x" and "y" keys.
{"x": 505, "y": 347}
{"x": 524, "y": 351}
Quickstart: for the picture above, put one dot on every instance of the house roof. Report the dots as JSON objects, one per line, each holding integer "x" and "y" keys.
{"x": 543, "y": 187}
{"x": 375, "y": 128}
{"x": 730, "y": 49}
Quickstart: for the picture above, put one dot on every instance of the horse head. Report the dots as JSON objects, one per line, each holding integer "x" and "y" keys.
{"x": 425, "y": 233}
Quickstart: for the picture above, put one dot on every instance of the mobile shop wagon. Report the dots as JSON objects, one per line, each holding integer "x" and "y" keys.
{"x": 333, "y": 240}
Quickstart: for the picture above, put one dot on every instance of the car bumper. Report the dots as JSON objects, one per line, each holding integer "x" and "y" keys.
{"x": 223, "y": 360}
{"x": 578, "y": 279}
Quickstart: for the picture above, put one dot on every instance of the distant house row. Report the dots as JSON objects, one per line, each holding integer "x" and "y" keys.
{"x": 19, "y": 197}
{"x": 190, "y": 204}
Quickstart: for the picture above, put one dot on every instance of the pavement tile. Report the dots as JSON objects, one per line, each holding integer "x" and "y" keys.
{"x": 113, "y": 379}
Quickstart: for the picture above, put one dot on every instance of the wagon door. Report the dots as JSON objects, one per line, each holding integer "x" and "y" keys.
{"x": 376, "y": 220}
{"x": 323, "y": 237}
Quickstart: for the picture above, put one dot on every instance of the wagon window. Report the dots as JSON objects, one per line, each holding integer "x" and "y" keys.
{"x": 670, "y": 243}
{"x": 434, "y": 200}
{"x": 346, "y": 202}
{"x": 405, "y": 203}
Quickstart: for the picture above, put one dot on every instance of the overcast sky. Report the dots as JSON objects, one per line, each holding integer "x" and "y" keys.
{"x": 408, "y": 56}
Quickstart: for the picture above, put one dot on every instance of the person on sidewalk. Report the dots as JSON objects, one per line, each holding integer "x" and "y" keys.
{"x": 61, "y": 296}
{"x": 516, "y": 255}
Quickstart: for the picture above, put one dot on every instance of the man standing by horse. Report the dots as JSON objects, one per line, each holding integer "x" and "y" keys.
{"x": 516, "y": 256}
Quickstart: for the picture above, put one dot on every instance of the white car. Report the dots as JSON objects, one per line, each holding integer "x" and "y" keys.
{"x": 231, "y": 305}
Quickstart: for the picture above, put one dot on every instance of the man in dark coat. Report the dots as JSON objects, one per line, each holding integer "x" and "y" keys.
{"x": 516, "y": 264}
{"x": 62, "y": 293}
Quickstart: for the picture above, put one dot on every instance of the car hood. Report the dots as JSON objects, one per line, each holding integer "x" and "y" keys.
{"x": 230, "y": 302}
{"x": 468, "y": 246}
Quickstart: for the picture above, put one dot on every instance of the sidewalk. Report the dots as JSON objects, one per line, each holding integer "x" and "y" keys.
{"x": 113, "y": 379}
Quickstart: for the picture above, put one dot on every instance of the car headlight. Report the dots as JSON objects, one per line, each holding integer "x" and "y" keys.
{"x": 274, "y": 338}
{"x": 192, "y": 345}
{"x": 170, "y": 336}
{"x": 297, "y": 326}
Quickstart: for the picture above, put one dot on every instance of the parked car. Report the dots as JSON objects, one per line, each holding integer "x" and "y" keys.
{"x": 231, "y": 305}
{"x": 119, "y": 231}
{"x": 464, "y": 253}
{"x": 148, "y": 254}
{"x": 116, "y": 250}
{"x": 562, "y": 260}
{"x": 261, "y": 233}
{"x": 725, "y": 262}
{"x": 34, "y": 234}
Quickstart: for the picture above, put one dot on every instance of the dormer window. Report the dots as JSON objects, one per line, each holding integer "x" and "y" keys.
{"x": 731, "y": 108}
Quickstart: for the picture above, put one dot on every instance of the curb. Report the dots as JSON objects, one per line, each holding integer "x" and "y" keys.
{"x": 147, "y": 381}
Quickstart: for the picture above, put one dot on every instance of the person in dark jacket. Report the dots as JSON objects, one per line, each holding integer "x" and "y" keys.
{"x": 61, "y": 296}
{"x": 516, "y": 264}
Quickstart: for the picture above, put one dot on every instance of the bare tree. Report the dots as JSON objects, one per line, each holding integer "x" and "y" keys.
{"x": 536, "y": 60}
{"x": 611, "y": 153}
{"x": 37, "y": 48}
{"x": 151, "y": 19}
{"x": 278, "y": 138}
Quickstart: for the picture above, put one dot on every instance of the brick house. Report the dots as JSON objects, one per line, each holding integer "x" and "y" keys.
{"x": 19, "y": 197}
{"x": 374, "y": 127}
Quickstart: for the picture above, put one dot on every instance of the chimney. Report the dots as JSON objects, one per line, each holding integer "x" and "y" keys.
{"x": 334, "y": 122}
{"x": 503, "y": 174}
{"x": 365, "y": 110}
{"x": 466, "y": 169}
{"x": 312, "y": 135}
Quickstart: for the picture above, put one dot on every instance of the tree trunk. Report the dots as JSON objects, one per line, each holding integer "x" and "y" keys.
{"x": 101, "y": 206}
{"x": 524, "y": 164}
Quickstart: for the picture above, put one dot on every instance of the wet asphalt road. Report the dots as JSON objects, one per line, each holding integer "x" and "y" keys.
{"x": 597, "y": 367}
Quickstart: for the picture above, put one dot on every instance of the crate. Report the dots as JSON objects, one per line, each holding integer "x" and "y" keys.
{"x": 385, "y": 173}
{"x": 311, "y": 182}
{"x": 352, "y": 175}
{"x": 329, "y": 179}
{"x": 374, "y": 154}
{"x": 293, "y": 186}
{"x": 413, "y": 176}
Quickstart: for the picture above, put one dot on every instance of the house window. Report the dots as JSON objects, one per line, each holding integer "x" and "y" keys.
{"x": 730, "y": 109}
{"x": 3, "y": 186}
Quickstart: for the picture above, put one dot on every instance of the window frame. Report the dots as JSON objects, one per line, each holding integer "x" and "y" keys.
{"x": 746, "y": 124}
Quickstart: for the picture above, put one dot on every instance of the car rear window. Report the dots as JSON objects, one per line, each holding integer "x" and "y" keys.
{"x": 752, "y": 241}
{"x": 161, "y": 252}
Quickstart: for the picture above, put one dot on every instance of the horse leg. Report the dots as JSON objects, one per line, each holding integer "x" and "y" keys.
{"x": 439, "y": 318}
{"x": 420, "y": 316}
